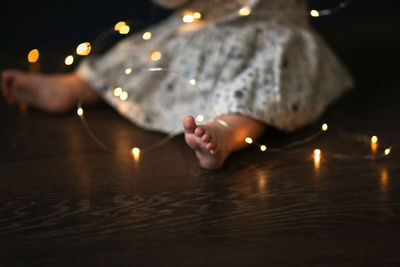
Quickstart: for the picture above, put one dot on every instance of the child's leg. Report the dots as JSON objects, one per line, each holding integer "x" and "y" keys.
{"x": 213, "y": 142}
{"x": 53, "y": 93}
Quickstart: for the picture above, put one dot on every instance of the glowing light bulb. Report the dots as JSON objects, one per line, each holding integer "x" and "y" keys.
{"x": 197, "y": 15}
{"x": 317, "y": 158}
{"x": 136, "y": 153}
{"x": 248, "y": 140}
{"x": 119, "y": 25}
{"x": 314, "y": 13}
{"x": 244, "y": 11}
{"x": 128, "y": 71}
{"x": 155, "y": 56}
{"x": 188, "y": 18}
{"x": 374, "y": 139}
{"x": 69, "y": 60}
{"x": 199, "y": 118}
{"x": 33, "y": 56}
{"x": 146, "y": 36}
{"x": 324, "y": 127}
{"x": 263, "y": 148}
{"x": 124, "y": 29}
{"x": 123, "y": 96}
{"x": 193, "y": 82}
{"x": 83, "y": 49}
{"x": 387, "y": 151}
{"x": 118, "y": 91}
{"x": 79, "y": 112}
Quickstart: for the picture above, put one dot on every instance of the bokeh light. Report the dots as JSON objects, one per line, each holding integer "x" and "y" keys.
{"x": 119, "y": 25}
{"x": 69, "y": 60}
{"x": 146, "y": 36}
{"x": 33, "y": 56}
{"x": 156, "y": 55}
{"x": 244, "y": 11}
{"x": 124, "y": 29}
{"x": 314, "y": 13}
{"x": 84, "y": 49}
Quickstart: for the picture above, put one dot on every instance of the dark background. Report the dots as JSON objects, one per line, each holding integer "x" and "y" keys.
{"x": 66, "y": 202}
{"x": 63, "y": 24}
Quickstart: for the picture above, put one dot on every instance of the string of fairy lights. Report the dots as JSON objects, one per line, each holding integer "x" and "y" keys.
{"x": 188, "y": 17}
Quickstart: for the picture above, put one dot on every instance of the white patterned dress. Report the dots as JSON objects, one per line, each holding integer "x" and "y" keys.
{"x": 269, "y": 65}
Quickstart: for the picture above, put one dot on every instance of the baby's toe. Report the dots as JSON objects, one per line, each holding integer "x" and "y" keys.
{"x": 206, "y": 137}
{"x": 211, "y": 146}
{"x": 189, "y": 124}
{"x": 199, "y": 132}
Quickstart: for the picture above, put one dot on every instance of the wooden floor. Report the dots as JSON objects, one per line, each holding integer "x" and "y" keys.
{"x": 66, "y": 202}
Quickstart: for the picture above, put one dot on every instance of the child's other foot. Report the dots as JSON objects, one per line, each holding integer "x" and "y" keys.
{"x": 210, "y": 142}
{"x": 52, "y": 93}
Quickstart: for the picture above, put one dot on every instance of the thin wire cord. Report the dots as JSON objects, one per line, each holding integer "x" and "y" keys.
{"x": 213, "y": 114}
{"x": 330, "y": 11}
{"x": 285, "y": 148}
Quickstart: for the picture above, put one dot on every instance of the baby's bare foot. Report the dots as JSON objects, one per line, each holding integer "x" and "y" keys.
{"x": 210, "y": 142}
{"x": 52, "y": 93}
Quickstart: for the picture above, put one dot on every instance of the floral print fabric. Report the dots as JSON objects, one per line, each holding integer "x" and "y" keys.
{"x": 269, "y": 65}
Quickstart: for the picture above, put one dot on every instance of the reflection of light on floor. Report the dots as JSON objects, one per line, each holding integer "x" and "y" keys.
{"x": 384, "y": 179}
{"x": 262, "y": 181}
{"x": 23, "y": 107}
{"x": 317, "y": 161}
{"x": 374, "y": 147}
{"x": 74, "y": 143}
{"x": 136, "y": 153}
{"x": 374, "y": 144}
{"x": 122, "y": 143}
{"x": 317, "y": 158}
